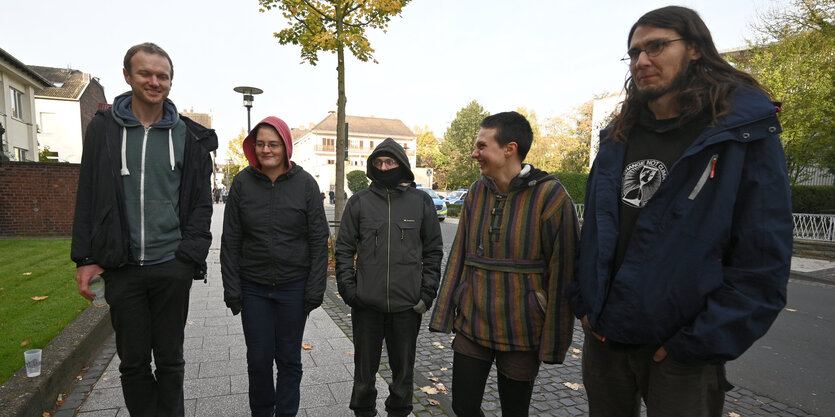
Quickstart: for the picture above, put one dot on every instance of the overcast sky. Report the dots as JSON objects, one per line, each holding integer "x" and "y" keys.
{"x": 436, "y": 57}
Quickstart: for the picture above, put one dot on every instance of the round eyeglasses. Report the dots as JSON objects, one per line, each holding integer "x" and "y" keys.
{"x": 653, "y": 48}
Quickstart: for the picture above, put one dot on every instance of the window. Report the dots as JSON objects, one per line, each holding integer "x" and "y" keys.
{"x": 17, "y": 104}
{"x": 20, "y": 154}
{"x": 331, "y": 162}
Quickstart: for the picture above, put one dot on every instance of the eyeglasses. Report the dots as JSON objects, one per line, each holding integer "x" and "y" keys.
{"x": 389, "y": 163}
{"x": 653, "y": 48}
{"x": 271, "y": 145}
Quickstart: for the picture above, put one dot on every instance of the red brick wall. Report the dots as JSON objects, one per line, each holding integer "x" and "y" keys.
{"x": 37, "y": 199}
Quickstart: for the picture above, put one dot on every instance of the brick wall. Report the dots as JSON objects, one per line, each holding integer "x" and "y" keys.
{"x": 37, "y": 199}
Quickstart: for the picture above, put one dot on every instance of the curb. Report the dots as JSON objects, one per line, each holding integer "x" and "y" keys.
{"x": 63, "y": 358}
{"x": 824, "y": 276}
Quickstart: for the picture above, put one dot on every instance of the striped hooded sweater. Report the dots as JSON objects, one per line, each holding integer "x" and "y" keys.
{"x": 505, "y": 279}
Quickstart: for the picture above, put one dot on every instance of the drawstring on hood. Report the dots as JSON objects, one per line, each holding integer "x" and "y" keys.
{"x": 123, "y": 114}
{"x": 125, "y": 171}
{"x": 283, "y": 131}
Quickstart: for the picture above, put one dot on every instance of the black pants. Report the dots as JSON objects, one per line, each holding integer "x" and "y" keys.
{"x": 616, "y": 380}
{"x": 148, "y": 310}
{"x": 399, "y": 330}
{"x": 469, "y": 377}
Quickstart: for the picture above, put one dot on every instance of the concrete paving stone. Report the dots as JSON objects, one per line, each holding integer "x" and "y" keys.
{"x": 196, "y": 331}
{"x": 331, "y": 357}
{"x": 235, "y": 329}
{"x": 326, "y": 333}
{"x": 341, "y": 391}
{"x": 206, "y": 387}
{"x": 206, "y": 355}
{"x": 223, "y": 341}
{"x": 223, "y": 321}
{"x": 237, "y": 352}
{"x": 316, "y": 395}
{"x": 239, "y": 384}
{"x": 193, "y": 343}
{"x": 222, "y": 368}
{"x": 325, "y": 375}
{"x": 64, "y": 413}
{"x": 71, "y": 404}
{"x": 319, "y": 344}
{"x": 101, "y": 413}
{"x": 109, "y": 379}
{"x": 102, "y": 399}
{"x": 340, "y": 410}
{"x": 192, "y": 370}
{"x": 233, "y": 405}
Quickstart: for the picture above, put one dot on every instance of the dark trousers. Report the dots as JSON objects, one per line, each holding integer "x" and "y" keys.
{"x": 399, "y": 330}
{"x": 469, "y": 377}
{"x": 273, "y": 318}
{"x": 148, "y": 310}
{"x": 617, "y": 379}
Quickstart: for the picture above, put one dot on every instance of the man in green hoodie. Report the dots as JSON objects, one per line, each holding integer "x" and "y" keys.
{"x": 142, "y": 217}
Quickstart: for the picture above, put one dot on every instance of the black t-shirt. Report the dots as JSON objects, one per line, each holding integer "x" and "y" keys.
{"x": 651, "y": 150}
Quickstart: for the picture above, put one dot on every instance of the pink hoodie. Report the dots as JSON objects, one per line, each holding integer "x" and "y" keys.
{"x": 283, "y": 131}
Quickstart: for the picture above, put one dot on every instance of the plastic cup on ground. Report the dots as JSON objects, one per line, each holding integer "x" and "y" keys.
{"x": 33, "y": 362}
{"x": 97, "y": 286}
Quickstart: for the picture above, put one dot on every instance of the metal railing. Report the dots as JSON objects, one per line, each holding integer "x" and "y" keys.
{"x": 814, "y": 226}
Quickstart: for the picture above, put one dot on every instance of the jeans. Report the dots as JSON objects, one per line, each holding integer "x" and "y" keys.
{"x": 148, "y": 310}
{"x": 273, "y": 318}
{"x": 400, "y": 331}
{"x": 617, "y": 379}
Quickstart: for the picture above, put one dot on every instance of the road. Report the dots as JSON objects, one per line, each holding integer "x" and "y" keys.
{"x": 794, "y": 362}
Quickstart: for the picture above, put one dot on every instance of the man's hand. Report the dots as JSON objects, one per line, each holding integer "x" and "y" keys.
{"x": 587, "y": 326}
{"x": 83, "y": 275}
{"x": 660, "y": 354}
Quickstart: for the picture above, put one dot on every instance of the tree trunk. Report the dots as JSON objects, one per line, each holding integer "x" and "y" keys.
{"x": 339, "y": 184}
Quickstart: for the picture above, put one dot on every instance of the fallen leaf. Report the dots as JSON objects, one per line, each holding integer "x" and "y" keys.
{"x": 27, "y": 273}
{"x": 441, "y": 387}
{"x": 45, "y": 414}
{"x": 574, "y": 356}
{"x": 433, "y": 402}
{"x": 24, "y": 343}
{"x": 575, "y": 350}
{"x": 429, "y": 390}
{"x": 433, "y": 379}
{"x": 733, "y": 415}
{"x": 190, "y": 322}
{"x": 439, "y": 345}
{"x": 40, "y": 297}
{"x": 350, "y": 353}
{"x": 307, "y": 346}
{"x": 791, "y": 309}
{"x": 575, "y": 387}
{"x": 443, "y": 369}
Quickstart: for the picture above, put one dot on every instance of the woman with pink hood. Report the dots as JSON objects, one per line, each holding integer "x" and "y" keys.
{"x": 274, "y": 259}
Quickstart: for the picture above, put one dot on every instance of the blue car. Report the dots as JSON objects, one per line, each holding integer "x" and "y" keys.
{"x": 440, "y": 205}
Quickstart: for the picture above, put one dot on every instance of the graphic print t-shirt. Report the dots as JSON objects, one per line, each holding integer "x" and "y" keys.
{"x": 652, "y": 149}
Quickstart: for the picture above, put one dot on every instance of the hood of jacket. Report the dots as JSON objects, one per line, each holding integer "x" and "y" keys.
{"x": 391, "y": 148}
{"x": 283, "y": 131}
{"x": 526, "y": 178}
{"x": 123, "y": 112}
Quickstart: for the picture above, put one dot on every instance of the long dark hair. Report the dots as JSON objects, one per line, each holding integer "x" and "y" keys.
{"x": 709, "y": 79}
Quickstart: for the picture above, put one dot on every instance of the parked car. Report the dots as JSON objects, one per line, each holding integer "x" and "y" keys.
{"x": 456, "y": 197}
{"x": 440, "y": 205}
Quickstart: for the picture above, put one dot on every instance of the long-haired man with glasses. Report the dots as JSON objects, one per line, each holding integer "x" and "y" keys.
{"x": 388, "y": 264}
{"x": 686, "y": 243}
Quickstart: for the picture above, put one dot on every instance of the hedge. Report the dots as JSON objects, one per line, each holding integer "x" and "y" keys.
{"x": 813, "y": 199}
{"x": 575, "y": 184}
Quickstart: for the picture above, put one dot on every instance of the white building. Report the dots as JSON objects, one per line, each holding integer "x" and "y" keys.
{"x": 64, "y": 110}
{"x": 18, "y": 83}
{"x": 315, "y": 151}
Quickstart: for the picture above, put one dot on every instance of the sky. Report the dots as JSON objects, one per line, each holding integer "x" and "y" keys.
{"x": 434, "y": 59}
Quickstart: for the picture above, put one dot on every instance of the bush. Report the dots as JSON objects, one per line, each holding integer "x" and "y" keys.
{"x": 575, "y": 184}
{"x": 357, "y": 181}
{"x": 813, "y": 199}
{"x": 453, "y": 210}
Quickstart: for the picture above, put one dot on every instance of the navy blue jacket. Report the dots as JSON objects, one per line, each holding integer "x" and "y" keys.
{"x": 707, "y": 265}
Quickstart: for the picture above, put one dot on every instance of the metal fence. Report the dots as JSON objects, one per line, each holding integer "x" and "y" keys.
{"x": 814, "y": 226}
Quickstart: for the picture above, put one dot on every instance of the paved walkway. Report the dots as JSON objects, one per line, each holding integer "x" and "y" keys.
{"x": 216, "y": 380}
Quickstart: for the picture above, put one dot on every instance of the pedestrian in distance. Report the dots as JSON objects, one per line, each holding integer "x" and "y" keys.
{"x": 142, "y": 216}
{"x": 388, "y": 261}
{"x": 503, "y": 288}
{"x": 687, "y": 237}
{"x": 274, "y": 261}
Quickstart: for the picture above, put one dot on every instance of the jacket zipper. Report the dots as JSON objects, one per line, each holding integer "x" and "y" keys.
{"x": 142, "y": 199}
{"x": 709, "y": 172}
{"x": 388, "y": 254}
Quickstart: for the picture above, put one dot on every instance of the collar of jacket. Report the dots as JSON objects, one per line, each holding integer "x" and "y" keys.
{"x": 382, "y": 191}
{"x": 526, "y": 178}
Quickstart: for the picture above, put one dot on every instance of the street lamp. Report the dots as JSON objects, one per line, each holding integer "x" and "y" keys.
{"x": 248, "y": 93}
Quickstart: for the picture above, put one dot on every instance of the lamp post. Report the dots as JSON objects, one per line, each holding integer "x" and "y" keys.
{"x": 249, "y": 93}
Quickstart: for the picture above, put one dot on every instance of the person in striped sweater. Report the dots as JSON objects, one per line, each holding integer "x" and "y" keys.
{"x": 503, "y": 288}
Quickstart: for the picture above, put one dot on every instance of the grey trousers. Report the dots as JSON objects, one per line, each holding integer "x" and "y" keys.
{"x": 617, "y": 379}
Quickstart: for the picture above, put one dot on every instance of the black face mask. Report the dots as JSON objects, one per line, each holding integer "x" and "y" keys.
{"x": 388, "y": 178}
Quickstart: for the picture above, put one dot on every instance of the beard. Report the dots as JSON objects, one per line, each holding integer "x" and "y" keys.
{"x": 678, "y": 83}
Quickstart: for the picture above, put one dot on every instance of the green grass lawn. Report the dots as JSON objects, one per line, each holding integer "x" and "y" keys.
{"x": 34, "y": 268}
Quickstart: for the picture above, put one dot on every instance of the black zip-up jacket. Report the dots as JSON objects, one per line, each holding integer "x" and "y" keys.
{"x": 274, "y": 233}
{"x": 396, "y": 237}
{"x": 100, "y": 232}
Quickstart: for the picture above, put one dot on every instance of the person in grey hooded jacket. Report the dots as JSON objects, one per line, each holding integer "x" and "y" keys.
{"x": 388, "y": 261}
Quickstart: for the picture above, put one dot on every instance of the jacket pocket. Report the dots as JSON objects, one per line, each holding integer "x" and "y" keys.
{"x": 106, "y": 242}
{"x": 408, "y": 241}
{"x": 708, "y": 173}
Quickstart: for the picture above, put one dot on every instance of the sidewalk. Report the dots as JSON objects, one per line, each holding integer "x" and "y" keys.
{"x": 216, "y": 380}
